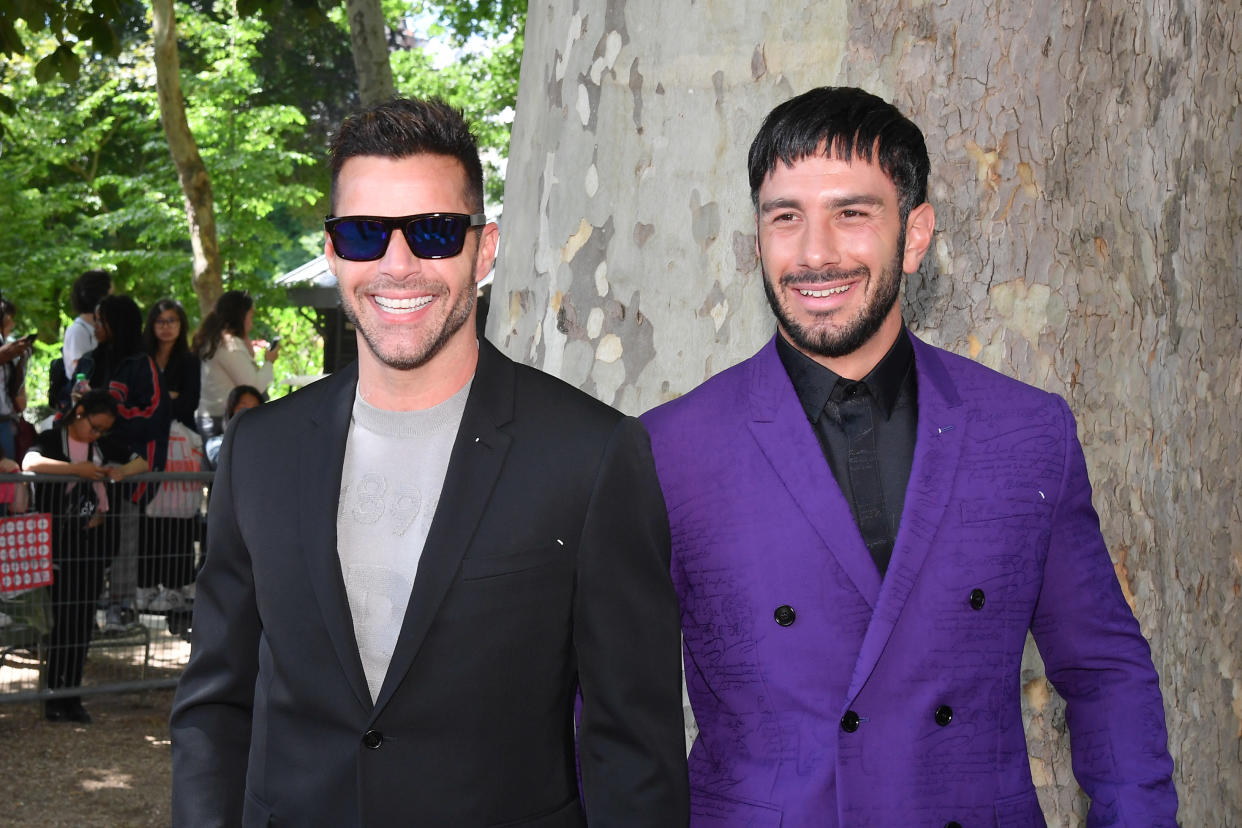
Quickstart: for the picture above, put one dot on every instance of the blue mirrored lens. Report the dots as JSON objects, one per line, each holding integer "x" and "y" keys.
{"x": 360, "y": 239}
{"x": 436, "y": 237}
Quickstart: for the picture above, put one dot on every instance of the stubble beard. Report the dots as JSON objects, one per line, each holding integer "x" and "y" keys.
{"x": 458, "y": 315}
{"x": 844, "y": 339}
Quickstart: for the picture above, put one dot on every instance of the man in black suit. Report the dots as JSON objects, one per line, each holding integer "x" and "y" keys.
{"x": 414, "y": 565}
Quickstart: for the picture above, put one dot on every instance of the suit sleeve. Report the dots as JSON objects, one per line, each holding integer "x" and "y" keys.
{"x": 1100, "y": 663}
{"x": 211, "y": 715}
{"x": 627, "y": 636}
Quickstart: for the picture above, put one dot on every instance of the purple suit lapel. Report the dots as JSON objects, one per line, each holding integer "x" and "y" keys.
{"x": 780, "y": 427}
{"x": 938, "y": 446}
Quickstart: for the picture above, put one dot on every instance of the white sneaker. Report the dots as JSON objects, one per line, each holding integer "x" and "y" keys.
{"x": 5, "y": 620}
{"x": 187, "y": 592}
{"x": 143, "y": 596}
{"x": 166, "y": 600}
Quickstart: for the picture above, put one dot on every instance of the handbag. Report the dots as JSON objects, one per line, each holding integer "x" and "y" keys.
{"x": 181, "y": 498}
{"x": 25, "y": 553}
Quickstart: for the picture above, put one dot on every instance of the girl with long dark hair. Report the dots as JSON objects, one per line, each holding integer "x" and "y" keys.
{"x": 223, "y": 344}
{"x": 122, "y": 366}
{"x": 165, "y": 339}
{"x": 166, "y": 543}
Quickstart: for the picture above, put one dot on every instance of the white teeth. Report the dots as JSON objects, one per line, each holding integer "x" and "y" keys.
{"x": 820, "y": 294}
{"x": 402, "y": 305}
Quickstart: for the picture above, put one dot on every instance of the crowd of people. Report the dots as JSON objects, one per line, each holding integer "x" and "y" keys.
{"x": 130, "y": 393}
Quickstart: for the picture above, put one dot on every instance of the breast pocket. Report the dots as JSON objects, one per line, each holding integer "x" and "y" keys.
{"x": 512, "y": 563}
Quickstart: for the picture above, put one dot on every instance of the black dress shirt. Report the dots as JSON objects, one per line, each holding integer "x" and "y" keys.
{"x": 890, "y": 390}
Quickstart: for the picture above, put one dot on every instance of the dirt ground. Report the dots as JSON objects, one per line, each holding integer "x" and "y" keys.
{"x": 112, "y": 773}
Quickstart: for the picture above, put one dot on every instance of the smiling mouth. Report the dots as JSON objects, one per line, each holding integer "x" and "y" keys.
{"x": 820, "y": 294}
{"x": 402, "y": 305}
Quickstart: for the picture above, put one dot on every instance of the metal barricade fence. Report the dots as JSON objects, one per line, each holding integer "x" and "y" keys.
{"x": 121, "y": 559}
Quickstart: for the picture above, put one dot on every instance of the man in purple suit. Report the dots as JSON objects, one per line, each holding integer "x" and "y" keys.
{"x": 865, "y": 527}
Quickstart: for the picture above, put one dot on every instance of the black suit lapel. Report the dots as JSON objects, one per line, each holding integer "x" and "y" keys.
{"x": 474, "y": 466}
{"x": 319, "y": 476}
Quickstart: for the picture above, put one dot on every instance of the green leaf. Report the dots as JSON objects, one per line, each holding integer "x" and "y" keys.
{"x": 106, "y": 9}
{"x": 248, "y": 8}
{"x": 7, "y": 106}
{"x": 10, "y": 43}
{"x": 36, "y": 13}
{"x": 46, "y": 69}
{"x": 101, "y": 35}
{"x": 68, "y": 63}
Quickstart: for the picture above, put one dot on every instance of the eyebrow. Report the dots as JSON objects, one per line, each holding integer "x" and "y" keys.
{"x": 853, "y": 199}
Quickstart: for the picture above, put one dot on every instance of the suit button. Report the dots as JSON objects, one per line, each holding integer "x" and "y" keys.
{"x": 372, "y": 739}
{"x": 849, "y": 722}
{"x": 784, "y": 615}
{"x": 944, "y": 715}
{"x": 953, "y": 825}
{"x": 976, "y": 599}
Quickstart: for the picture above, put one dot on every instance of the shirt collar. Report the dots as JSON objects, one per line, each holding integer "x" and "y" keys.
{"x": 814, "y": 383}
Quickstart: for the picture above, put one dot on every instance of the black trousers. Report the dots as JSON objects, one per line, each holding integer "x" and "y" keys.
{"x": 166, "y": 551}
{"x": 80, "y": 554}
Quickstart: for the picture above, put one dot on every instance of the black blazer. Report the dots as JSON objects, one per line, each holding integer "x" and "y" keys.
{"x": 545, "y": 570}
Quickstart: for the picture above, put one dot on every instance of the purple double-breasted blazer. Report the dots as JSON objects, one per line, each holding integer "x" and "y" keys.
{"x": 827, "y": 696}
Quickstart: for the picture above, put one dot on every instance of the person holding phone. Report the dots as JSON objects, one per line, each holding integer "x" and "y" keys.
{"x": 13, "y": 357}
{"x": 223, "y": 344}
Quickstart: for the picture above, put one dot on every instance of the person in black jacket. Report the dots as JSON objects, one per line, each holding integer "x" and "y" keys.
{"x": 120, "y": 365}
{"x": 83, "y": 538}
{"x": 165, "y": 340}
{"x": 166, "y": 543}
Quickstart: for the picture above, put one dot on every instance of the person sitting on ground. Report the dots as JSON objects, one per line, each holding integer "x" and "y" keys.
{"x": 223, "y": 344}
{"x": 83, "y": 539}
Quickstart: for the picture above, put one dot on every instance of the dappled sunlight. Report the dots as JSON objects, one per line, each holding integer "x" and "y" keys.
{"x": 105, "y": 779}
{"x": 155, "y": 741}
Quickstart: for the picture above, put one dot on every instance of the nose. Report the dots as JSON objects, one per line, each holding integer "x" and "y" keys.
{"x": 399, "y": 259}
{"x": 820, "y": 246}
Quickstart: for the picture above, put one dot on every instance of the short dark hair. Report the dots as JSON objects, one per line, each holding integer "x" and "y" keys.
{"x": 408, "y": 126}
{"x": 88, "y": 289}
{"x": 841, "y": 122}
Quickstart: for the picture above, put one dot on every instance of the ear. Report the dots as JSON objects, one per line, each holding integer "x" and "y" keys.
{"x": 485, "y": 256}
{"x": 920, "y": 226}
{"x": 329, "y": 253}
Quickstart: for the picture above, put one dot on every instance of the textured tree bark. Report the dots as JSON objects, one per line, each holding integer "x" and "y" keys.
{"x": 369, "y": 40}
{"x": 1085, "y": 174}
{"x": 195, "y": 184}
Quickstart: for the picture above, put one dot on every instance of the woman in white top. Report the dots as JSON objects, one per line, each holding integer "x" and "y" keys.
{"x": 223, "y": 344}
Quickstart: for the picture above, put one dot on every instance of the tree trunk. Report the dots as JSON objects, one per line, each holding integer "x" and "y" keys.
{"x": 1084, "y": 174}
{"x": 368, "y": 36}
{"x": 195, "y": 184}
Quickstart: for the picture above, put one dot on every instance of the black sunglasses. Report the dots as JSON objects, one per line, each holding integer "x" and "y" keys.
{"x": 429, "y": 235}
